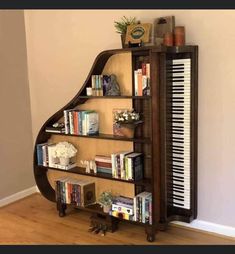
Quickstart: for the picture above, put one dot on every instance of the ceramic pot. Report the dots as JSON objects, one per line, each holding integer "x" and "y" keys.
{"x": 64, "y": 161}
{"x": 106, "y": 208}
{"x": 124, "y": 130}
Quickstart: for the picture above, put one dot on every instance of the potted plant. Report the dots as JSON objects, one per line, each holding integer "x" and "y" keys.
{"x": 121, "y": 27}
{"x": 125, "y": 122}
{"x": 105, "y": 200}
{"x": 64, "y": 151}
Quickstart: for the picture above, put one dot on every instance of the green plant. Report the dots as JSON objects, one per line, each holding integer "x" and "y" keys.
{"x": 106, "y": 198}
{"x": 121, "y": 26}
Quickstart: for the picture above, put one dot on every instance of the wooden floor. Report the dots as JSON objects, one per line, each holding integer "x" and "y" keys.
{"x": 34, "y": 220}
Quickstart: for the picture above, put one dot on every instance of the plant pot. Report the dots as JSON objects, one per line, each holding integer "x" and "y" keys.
{"x": 107, "y": 208}
{"x": 64, "y": 161}
{"x": 124, "y": 130}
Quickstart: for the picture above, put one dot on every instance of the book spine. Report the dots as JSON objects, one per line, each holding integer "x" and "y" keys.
{"x": 122, "y": 168}
{"x": 80, "y": 123}
{"x": 140, "y": 209}
{"x": 93, "y": 85}
{"x": 75, "y": 122}
{"x": 130, "y": 169}
{"x": 150, "y": 212}
{"x": 44, "y": 155}
{"x": 66, "y": 122}
{"x": 134, "y": 207}
{"x": 71, "y": 129}
{"x": 143, "y": 209}
{"x": 113, "y": 157}
{"x": 39, "y": 155}
{"x": 140, "y": 85}
{"x": 144, "y": 68}
{"x": 126, "y": 168}
{"x": 136, "y": 82}
{"x": 103, "y": 164}
{"x": 118, "y": 166}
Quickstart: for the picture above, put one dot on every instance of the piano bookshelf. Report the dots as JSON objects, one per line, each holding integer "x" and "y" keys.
{"x": 167, "y": 138}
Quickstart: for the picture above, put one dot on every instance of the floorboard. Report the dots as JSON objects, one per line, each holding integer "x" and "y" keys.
{"x": 34, "y": 220}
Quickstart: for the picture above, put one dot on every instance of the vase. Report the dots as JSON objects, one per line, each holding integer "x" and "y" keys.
{"x": 64, "y": 161}
{"x": 107, "y": 208}
{"x": 123, "y": 38}
{"x": 124, "y": 130}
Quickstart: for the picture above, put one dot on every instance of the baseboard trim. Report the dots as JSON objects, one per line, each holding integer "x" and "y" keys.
{"x": 208, "y": 227}
{"x": 18, "y": 196}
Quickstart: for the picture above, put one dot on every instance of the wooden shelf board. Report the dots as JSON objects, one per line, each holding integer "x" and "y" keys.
{"x": 107, "y": 136}
{"x": 81, "y": 171}
{"x": 96, "y": 208}
{"x": 116, "y": 97}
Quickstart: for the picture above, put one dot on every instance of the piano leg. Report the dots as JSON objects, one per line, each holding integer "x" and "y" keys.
{"x": 150, "y": 232}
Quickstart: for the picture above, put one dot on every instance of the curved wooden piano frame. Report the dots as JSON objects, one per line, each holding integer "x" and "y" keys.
{"x": 158, "y": 180}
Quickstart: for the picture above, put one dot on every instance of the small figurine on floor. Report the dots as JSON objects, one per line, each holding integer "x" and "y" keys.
{"x": 113, "y": 88}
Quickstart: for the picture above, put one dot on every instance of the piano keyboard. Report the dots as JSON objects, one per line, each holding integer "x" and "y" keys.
{"x": 179, "y": 81}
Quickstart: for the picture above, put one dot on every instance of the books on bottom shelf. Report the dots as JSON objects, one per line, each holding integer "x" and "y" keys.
{"x": 137, "y": 209}
{"x": 75, "y": 191}
{"x": 127, "y": 165}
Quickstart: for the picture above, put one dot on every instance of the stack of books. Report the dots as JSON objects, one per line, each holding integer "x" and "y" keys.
{"x": 97, "y": 85}
{"x": 81, "y": 122}
{"x": 127, "y": 165}
{"x": 143, "y": 207}
{"x": 55, "y": 129}
{"x": 45, "y": 157}
{"x": 73, "y": 191}
{"x": 103, "y": 164}
{"x": 137, "y": 209}
{"x": 142, "y": 80}
{"x": 122, "y": 207}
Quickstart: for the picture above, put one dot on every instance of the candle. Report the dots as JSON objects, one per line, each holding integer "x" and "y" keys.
{"x": 89, "y": 91}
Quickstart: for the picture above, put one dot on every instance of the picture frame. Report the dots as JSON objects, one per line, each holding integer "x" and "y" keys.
{"x": 138, "y": 33}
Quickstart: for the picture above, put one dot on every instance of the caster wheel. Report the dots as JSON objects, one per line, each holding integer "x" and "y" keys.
{"x": 150, "y": 238}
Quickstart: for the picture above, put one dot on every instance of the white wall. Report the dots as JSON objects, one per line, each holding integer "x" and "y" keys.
{"x": 16, "y": 145}
{"x": 62, "y": 45}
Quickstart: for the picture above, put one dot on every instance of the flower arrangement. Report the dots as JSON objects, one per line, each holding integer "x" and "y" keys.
{"x": 64, "y": 150}
{"x": 126, "y": 116}
{"x": 106, "y": 198}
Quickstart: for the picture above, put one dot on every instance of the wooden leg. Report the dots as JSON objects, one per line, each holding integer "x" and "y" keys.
{"x": 150, "y": 233}
{"x": 61, "y": 208}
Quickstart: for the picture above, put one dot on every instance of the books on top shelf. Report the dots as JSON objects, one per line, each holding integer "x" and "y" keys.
{"x": 127, "y": 165}
{"x": 45, "y": 157}
{"x": 137, "y": 209}
{"x": 75, "y": 191}
{"x": 142, "y": 80}
{"x": 81, "y": 122}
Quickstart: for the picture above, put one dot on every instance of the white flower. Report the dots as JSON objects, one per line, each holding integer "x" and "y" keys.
{"x": 65, "y": 150}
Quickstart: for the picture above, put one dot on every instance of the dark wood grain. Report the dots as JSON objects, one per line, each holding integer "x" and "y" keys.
{"x": 152, "y": 138}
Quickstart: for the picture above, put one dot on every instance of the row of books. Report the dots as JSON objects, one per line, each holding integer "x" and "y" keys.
{"x": 137, "y": 209}
{"x": 99, "y": 84}
{"x": 81, "y": 122}
{"x": 127, "y": 165}
{"x": 45, "y": 157}
{"x": 143, "y": 207}
{"x": 142, "y": 80}
{"x": 73, "y": 191}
